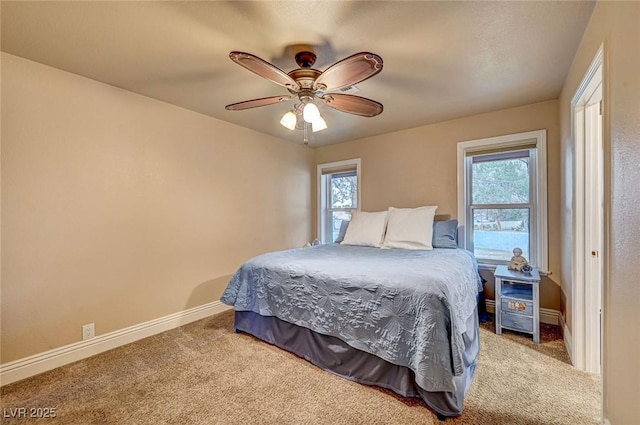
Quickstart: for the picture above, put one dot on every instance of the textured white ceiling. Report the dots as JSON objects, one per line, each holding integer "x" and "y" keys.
{"x": 442, "y": 60}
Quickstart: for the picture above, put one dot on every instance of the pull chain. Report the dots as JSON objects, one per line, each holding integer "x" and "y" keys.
{"x": 306, "y": 133}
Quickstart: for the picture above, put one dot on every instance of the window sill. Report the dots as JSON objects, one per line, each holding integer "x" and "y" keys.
{"x": 492, "y": 268}
{"x": 489, "y": 267}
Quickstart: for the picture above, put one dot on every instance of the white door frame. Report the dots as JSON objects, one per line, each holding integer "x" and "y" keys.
{"x": 588, "y": 224}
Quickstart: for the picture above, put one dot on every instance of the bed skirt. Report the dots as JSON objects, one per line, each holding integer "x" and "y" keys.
{"x": 334, "y": 355}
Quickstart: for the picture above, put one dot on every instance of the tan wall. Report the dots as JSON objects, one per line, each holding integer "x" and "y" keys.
{"x": 617, "y": 25}
{"x": 418, "y": 167}
{"x": 118, "y": 209}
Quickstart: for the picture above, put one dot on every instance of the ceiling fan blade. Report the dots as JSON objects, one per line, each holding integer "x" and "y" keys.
{"x": 349, "y": 71}
{"x": 264, "y": 69}
{"x": 254, "y": 103}
{"x": 353, "y": 104}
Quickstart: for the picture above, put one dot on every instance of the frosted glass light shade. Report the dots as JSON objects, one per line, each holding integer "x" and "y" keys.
{"x": 318, "y": 124}
{"x": 289, "y": 120}
{"x": 310, "y": 112}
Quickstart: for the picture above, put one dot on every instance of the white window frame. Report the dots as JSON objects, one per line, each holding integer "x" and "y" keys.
{"x": 323, "y": 195}
{"x": 539, "y": 228}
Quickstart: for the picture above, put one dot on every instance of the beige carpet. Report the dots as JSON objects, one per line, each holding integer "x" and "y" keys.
{"x": 204, "y": 373}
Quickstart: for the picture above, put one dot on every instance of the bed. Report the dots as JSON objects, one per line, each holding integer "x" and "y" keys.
{"x": 405, "y": 320}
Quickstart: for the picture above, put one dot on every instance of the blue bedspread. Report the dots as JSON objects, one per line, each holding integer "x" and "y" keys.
{"x": 408, "y": 307}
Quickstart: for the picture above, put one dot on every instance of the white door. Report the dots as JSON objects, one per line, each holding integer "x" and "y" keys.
{"x": 588, "y": 218}
{"x": 594, "y": 182}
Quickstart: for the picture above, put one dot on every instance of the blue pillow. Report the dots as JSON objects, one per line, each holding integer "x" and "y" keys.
{"x": 343, "y": 230}
{"x": 444, "y": 234}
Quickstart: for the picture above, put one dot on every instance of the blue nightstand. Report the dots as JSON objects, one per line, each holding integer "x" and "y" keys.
{"x": 517, "y": 301}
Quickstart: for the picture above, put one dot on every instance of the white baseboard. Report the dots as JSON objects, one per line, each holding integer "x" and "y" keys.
{"x": 547, "y": 315}
{"x": 42, "y": 362}
{"x": 566, "y": 334}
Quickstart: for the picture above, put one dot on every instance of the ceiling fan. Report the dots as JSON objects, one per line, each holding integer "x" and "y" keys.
{"x": 308, "y": 84}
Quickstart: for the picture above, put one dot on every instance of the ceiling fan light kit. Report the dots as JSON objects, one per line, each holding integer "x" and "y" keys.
{"x": 308, "y": 84}
{"x": 310, "y": 115}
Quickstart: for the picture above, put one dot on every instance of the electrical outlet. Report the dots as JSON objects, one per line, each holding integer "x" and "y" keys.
{"x": 88, "y": 331}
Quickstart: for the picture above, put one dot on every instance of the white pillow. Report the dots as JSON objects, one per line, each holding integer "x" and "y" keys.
{"x": 366, "y": 229}
{"x": 410, "y": 228}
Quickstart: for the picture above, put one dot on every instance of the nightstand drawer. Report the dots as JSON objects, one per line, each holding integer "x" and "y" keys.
{"x": 517, "y": 322}
{"x": 517, "y": 306}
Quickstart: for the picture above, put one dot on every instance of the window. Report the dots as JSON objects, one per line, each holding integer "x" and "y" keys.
{"x": 338, "y": 196}
{"x": 502, "y": 198}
